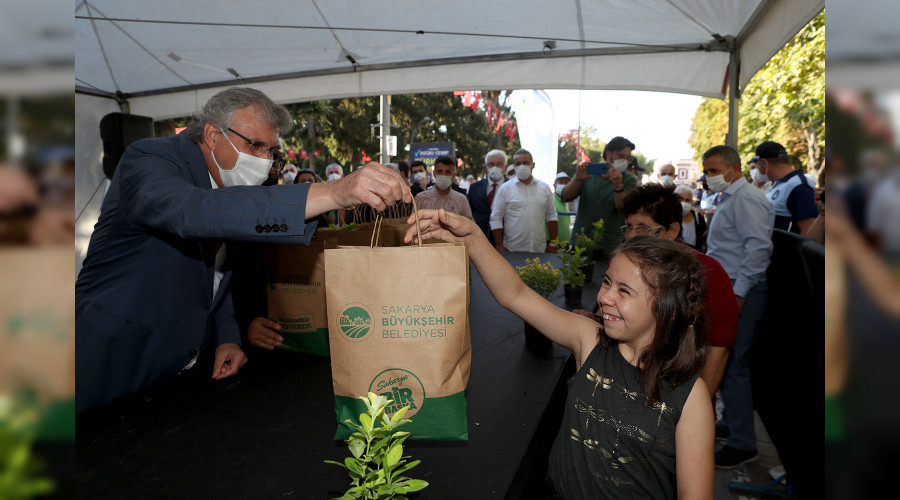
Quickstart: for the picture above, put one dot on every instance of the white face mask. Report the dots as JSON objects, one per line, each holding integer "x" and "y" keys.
{"x": 758, "y": 176}
{"x": 495, "y": 174}
{"x": 418, "y": 176}
{"x": 289, "y": 177}
{"x": 442, "y": 181}
{"x": 248, "y": 170}
{"x": 717, "y": 183}
{"x": 620, "y": 165}
{"x": 333, "y": 177}
{"x": 667, "y": 180}
{"x": 560, "y": 188}
{"x": 686, "y": 208}
{"x": 523, "y": 172}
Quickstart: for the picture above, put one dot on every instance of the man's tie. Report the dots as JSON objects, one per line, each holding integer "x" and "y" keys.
{"x": 491, "y": 194}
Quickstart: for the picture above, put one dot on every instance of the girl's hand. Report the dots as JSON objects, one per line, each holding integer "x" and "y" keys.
{"x": 441, "y": 225}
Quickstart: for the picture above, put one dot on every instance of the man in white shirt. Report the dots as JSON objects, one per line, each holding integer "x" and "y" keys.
{"x": 442, "y": 195}
{"x": 522, "y": 208}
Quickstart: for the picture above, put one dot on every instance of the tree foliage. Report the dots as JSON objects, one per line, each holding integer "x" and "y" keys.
{"x": 783, "y": 102}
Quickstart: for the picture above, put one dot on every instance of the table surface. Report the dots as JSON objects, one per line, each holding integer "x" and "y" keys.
{"x": 265, "y": 432}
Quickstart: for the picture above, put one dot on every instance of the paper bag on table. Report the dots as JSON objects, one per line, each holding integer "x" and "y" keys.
{"x": 407, "y": 339}
{"x": 295, "y": 287}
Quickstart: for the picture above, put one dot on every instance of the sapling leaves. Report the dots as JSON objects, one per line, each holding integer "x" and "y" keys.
{"x": 378, "y": 460}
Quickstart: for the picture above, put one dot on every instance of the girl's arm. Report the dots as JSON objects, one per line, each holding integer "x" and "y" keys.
{"x": 574, "y": 332}
{"x": 875, "y": 275}
{"x": 694, "y": 446}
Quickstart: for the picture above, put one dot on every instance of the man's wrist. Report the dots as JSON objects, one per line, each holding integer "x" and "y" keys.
{"x": 620, "y": 189}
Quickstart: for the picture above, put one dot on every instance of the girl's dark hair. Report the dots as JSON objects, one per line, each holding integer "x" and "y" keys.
{"x": 676, "y": 282}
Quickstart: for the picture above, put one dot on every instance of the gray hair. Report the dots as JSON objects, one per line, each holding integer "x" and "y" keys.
{"x": 496, "y": 152}
{"x": 335, "y": 165}
{"x": 728, "y": 154}
{"x": 683, "y": 188}
{"x": 220, "y": 108}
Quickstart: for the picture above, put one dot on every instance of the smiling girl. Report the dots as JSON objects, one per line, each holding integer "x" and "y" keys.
{"x": 637, "y": 422}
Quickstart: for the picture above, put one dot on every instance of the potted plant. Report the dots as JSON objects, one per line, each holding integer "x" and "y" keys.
{"x": 543, "y": 278}
{"x": 571, "y": 271}
{"x": 589, "y": 244}
{"x": 377, "y": 462}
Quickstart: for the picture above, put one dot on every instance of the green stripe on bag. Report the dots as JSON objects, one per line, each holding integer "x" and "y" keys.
{"x": 438, "y": 418}
{"x": 315, "y": 342}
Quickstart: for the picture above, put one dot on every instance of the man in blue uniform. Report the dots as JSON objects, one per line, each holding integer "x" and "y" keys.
{"x": 791, "y": 195}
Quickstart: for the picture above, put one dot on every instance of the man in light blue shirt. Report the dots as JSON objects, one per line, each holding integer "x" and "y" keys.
{"x": 740, "y": 238}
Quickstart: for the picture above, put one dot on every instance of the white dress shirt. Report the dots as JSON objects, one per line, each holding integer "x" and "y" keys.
{"x": 522, "y": 211}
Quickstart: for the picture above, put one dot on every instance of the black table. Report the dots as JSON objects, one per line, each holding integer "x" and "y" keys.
{"x": 265, "y": 432}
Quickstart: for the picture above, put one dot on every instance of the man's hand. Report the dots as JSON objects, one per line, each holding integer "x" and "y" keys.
{"x": 373, "y": 184}
{"x": 263, "y": 332}
{"x": 740, "y": 302}
{"x": 614, "y": 176}
{"x": 581, "y": 171}
{"x": 229, "y": 359}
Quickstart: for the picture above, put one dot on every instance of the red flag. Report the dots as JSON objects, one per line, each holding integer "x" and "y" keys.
{"x": 303, "y": 154}
{"x": 317, "y": 153}
{"x": 489, "y": 109}
{"x": 477, "y": 99}
{"x": 365, "y": 157}
{"x": 500, "y": 122}
{"x": 291, "y": 153}
{"x": 459, "y": 92}
{"x": 583, "y": 155}
{"x": 467, "y": 98}
{"x": 511, "y": 129}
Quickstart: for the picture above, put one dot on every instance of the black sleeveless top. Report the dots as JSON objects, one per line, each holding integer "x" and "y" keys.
{"x": 611, "y": 444}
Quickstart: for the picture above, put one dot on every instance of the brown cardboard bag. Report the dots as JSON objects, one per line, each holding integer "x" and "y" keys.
{"x": 295, "y": 287}
{"x": 37, "y": 321}
{"x": 408, "y": 340}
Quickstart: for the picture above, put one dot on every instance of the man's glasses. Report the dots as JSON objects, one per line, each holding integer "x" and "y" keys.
{"x": 498, "y": 164}
{"x": 258, "y": 148}
{"x": 641, "y": 229}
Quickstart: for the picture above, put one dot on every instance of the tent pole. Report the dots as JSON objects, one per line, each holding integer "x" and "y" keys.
{"x": 734, "y": 73}
{"x": 385, "y": 130}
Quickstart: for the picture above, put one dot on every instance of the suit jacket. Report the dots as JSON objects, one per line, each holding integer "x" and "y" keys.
{"x": 143, "y": 299}
{"x": 481, "y": 210}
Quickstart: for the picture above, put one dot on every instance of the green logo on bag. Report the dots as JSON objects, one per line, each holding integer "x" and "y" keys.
{"x": 402, "y": 387}
{"x": 355, "y": 321}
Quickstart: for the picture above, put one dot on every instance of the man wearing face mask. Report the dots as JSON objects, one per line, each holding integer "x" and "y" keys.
{"x": 666, "y": 174}
{"x": 740, "y": 238}
{"x": 601, "y": 195}
{"x": 759, "y": 181}
{"x": 481, "y": 194}
{"x": 791, "y": 194}
{"x": 442, "y": 195}
{"x": 288, "y": 174}
{"x": 419, "y": 179}
{"x": 152, "y": 298}
{"x": 523, "y": 212}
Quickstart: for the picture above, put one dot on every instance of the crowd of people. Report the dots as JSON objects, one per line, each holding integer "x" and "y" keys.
{"x": 684, "y": 288}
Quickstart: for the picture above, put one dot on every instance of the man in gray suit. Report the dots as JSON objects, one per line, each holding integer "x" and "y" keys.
{"x": 152, "y": 296}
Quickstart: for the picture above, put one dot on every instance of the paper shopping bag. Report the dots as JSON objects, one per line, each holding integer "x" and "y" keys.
{"x": 407, "y": 340}
{"x": 295, "y": 287}
{"x": 37, "y": 321}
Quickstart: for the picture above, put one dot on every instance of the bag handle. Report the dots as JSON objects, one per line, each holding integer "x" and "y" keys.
{"x": 376, "y": 232}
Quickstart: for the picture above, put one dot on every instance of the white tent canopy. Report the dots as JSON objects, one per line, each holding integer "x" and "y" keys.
{"x": 167, "y": 57}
